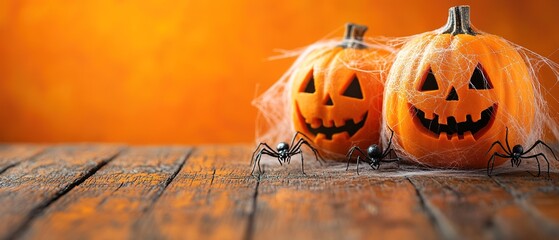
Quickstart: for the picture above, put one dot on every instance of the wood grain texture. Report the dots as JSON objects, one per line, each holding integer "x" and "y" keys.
{"x": 108, "y": 204}
{"x": 538, "y": 198}
{"x": 331, "y": 203}
{"x": 11, "y": 155}
{"x": 27, "y": 189}
{"x": 475, "y": 208}
{"x": 207, "y": 192}
{"x": 211, "y": 198}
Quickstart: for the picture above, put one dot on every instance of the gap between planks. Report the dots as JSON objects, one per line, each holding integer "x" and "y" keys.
{"x": 435, "y": 216}
{"x": 28, "y": 158}
{"x": 39, "y": 209}
{"x": 249, "y": 232}
{"x": 169, "y": 180}
{"x": 42, "y": 207}
{"x": 548, "y": 227}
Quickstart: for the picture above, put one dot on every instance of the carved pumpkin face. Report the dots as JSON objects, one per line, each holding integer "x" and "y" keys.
{"x": 336, "y": 97}
{"x": 450, "y": 95}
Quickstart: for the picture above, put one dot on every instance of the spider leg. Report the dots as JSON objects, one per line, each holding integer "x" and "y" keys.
{"x": 375, "y": 165}
{"x": 295, "y": 152}
{"x": 317, "y": 154}
{"x": 357, "y": 165}
{"x": 519, "y": 162}
{"x": 492, "y": 161}
{"x": 397, "y": 159}
{"x": 267, "y": 152}
{"x": 390, "y": 160}
{"x": 303, "y": 142}
{"x": 489, "y": 163}
{"x": 350, "y": 152}
{"x": 390, "y": 152}
{"x": 302, "y": 161}
{"x": 265, "y": 145}
{"x": 507, "y": 140}
{"x": 306, "y": 139}
{"x": 539, "y": 169}
{"x": 293, "y": 139}
{"x": 544, "y": 157}
{"x": 259, "y": 156}
{"x": 501, "y": 145}
{"x": 297, "y": 134}
{"x": 254, "y": 165}
{"x": 385, "y": 154}
{"x": 542, "y": 143}
{"x": 389, "y": 144}
{"x": 296, "y": 149}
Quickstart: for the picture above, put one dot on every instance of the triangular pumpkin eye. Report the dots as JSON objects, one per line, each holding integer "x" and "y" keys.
{"x": 430, "y": 83}
{"x": 479, "y": 79}
{"x": 309, "y": 88}
{"x": 354, "y": 89}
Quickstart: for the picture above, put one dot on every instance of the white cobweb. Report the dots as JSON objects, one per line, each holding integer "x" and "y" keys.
{"x": 274, "y": 122}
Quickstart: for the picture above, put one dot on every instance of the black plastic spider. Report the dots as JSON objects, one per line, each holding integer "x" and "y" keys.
{"x": 374, "y": 155}
{"x": 284, "y": 152}
{"x": 516, "y": 154}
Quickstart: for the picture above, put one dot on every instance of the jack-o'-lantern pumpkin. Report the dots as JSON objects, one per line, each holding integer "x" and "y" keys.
{"x": 451, "y": 93}
{"x": 336, "y": 95}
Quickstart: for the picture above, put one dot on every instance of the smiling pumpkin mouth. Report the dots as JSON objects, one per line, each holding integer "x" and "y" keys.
{"x": 350, "y": 126}
{"x": 455, "y": 129}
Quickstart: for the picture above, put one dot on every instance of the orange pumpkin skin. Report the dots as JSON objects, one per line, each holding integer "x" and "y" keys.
{"x": 343, "y": 107}
{"x": 506, "y": 95}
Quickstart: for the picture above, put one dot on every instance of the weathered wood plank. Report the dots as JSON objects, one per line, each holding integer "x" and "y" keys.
{"x": 151, "y": 192}
{"x": 11, "y": 155}
{"x": 211, "y": 198}
{"x": 107, "y": 205}
{"x": 27, "y": 189}
{"x": 475, "y": 207}
{"x": 331, "y": 203}
{"x": 538, "y": 197}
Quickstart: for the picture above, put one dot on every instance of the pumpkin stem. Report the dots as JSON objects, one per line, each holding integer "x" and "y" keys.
{"x": 354, "y": 36}
{"x": 459, "y": 21}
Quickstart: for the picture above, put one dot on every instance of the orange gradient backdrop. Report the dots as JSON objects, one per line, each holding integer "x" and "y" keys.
{"x": 186, "y": 71}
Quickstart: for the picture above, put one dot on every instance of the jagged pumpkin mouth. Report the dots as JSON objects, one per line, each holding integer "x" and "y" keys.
{"x": 350, "y": 126}
{"x": 451, "y": 128}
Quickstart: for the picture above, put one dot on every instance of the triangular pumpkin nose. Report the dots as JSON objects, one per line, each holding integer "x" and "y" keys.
{"x": 328, "y": 101}
{"x": 452, "y": 95}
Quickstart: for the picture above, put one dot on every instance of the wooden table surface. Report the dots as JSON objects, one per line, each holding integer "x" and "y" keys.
{"x": 88, "y": 191}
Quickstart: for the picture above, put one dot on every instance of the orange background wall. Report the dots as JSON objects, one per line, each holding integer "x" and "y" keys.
{"x": 186, "y": 71}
